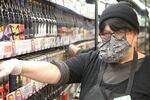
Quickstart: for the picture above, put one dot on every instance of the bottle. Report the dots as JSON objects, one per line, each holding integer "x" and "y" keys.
{"x": 51, "y": 17}
{"x": 35, "y": 17}
{"x": 26, "y": 24}
{"x": 55, "y": 22}
{"x": 43, "y": 22}
{"x": 1, "y": 22}
{"x": 44, "y": 17}
{"x": 11, "y": 12}
{"x": 59, "y": 22}
{"x": 39, "y": 19}
{"x": 15, "y": 25}
{"x": 5, "y": 21}
{"x": 11, "y": 16}
{"x": 29, "y": 15}
{"x": 65, "y": 20}
{"x": 47, "y": 21}
{"x": 16, "y": 10}
{"x": 23, "y": 34}
{"x": 50, "y": 21}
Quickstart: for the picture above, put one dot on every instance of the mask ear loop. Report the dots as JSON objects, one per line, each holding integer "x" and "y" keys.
{"x": 126, "y": 35}
{"x": 135, "y": 42}
{"x": 135, "y": 46}
{"x": 132, "y": 72}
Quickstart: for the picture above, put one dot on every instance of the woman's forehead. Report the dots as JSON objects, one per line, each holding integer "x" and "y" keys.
{"x": 107, "y": 28}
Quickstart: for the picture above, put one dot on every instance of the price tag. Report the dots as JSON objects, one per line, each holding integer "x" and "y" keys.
{"x": 8, "y": 51}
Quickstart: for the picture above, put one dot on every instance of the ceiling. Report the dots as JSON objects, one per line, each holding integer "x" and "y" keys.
{"x": 147, "y": 2}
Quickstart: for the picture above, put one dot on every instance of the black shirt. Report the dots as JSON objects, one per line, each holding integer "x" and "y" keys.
{"x": 84, "y": 69}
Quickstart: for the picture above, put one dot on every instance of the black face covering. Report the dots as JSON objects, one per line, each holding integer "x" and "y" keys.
{"x": 112, "y": 50}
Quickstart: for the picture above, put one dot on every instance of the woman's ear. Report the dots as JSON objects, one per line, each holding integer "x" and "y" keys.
{"x": 132, "y": 38}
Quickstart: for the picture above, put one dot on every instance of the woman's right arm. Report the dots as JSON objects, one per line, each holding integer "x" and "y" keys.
{"x": 69, "y": 71}
{"x": 37, "y": 70}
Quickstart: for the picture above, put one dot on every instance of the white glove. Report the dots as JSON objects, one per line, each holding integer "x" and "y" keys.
{"x": 13, "y": 66}
{"x": 73, "y": 49}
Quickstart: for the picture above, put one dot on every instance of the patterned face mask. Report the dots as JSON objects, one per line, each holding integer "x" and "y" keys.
{"x": 112, "y": 50}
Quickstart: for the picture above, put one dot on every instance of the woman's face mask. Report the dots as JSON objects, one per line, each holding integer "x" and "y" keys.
{"x": 113, "y": 48}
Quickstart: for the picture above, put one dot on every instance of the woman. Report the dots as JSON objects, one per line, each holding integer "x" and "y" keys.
{"x": 116, "y": 71}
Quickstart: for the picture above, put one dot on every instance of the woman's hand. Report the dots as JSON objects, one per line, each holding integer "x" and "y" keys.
{"x": 73, "y": 49}
{"x": 37, "y": 70}
{"x": 12, "y": 66}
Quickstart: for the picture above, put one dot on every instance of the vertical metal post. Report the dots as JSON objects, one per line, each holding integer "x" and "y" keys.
{"x": 149, "y": 33}
{"x": 146, "y": 29}
{"x": 96, "y": 23}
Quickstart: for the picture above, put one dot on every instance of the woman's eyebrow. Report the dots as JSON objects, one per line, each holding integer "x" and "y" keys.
{"x": 108, "y": 31}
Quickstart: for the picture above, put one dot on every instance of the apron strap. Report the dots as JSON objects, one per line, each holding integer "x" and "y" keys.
{"x": 131, "y": 75}
{"x": 132, "y": 72}
{"x": 101, "y": 72}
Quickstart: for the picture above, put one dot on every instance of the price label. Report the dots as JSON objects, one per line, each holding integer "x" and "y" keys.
{"x": 8, "y": 49}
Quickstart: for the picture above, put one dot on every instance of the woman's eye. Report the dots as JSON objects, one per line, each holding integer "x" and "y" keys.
{"x": 106, "y": 33}
{"x": 102, "y": 34}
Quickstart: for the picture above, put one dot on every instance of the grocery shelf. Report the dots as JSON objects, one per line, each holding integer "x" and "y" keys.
{"x": 15, "y": 48}
{"x": 73, "y": 7}
{"x": 30, "y": 88}
{"x": 40, "y": 30}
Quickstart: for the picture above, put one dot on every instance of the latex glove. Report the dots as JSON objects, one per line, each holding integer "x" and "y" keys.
{"x": 73, "y": 49}
{"x": 13, "y": 67}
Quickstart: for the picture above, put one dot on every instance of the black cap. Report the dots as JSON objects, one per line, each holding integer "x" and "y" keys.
{"x": 122, "y": 10}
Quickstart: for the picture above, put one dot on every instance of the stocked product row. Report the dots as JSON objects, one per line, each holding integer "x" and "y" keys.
{"x": 78, "y": 6}
{"x": 19, "y": 47}
{"x": 24, "y": 88}
{"x": 34, "y": 30}
{"x": 30, "y": 19}
{"x": 29, "y": 87}
{"x": 27, "y": 26}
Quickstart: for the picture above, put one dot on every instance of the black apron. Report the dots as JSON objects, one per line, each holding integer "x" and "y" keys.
{"x": 100, "y": 93}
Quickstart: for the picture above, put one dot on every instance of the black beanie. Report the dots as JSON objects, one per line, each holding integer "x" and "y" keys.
{"x": 122, "y": 10}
